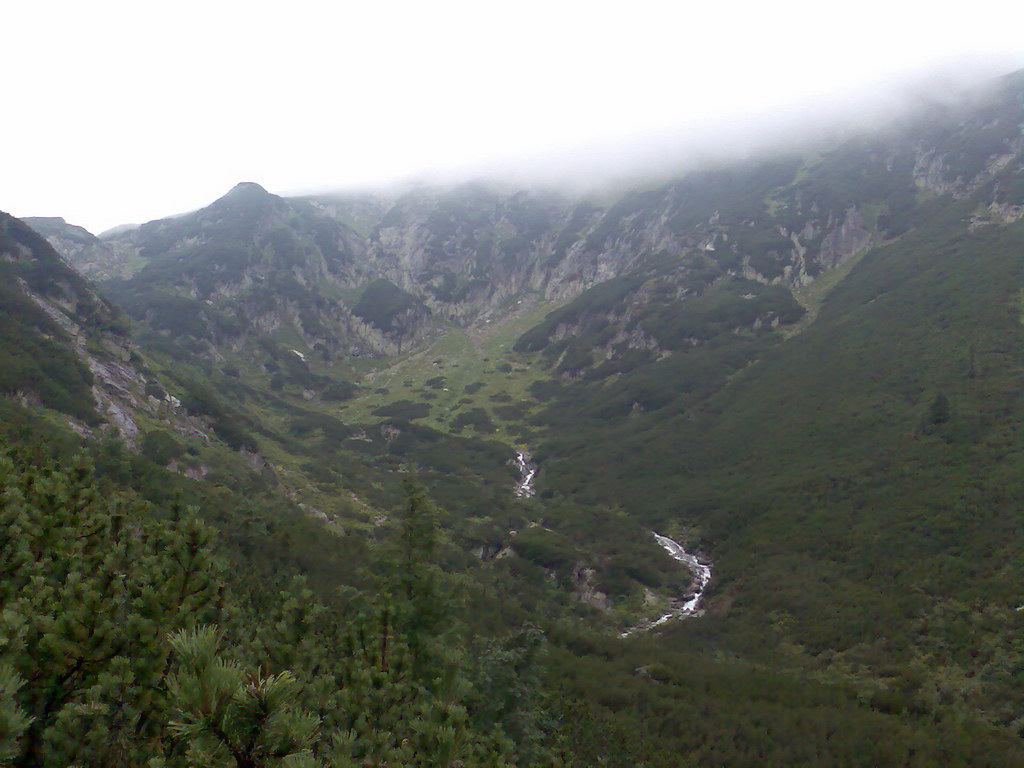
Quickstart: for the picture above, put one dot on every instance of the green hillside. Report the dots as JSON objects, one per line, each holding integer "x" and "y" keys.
{"x": 859, "y": 475}
{"x": 267, "y": 503}
{"x": 46, "y": 309}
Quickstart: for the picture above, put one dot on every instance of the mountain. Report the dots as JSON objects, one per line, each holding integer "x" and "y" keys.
{"x": 251, "y": 261}
{"x": 65, "y": 346}
{"x": 89, "y": 254}
{"x": 386, "y": 275}
{"x": 803, "y": 367}
{"x": 850, "y": 476}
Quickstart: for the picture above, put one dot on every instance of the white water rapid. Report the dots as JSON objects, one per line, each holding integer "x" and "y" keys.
{"x": 690, "y": 606}
{"x": 700, "y": 572}
{"x": 527, "y": 471}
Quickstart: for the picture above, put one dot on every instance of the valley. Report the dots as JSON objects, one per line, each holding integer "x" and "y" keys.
{"x": 722, "y": 470}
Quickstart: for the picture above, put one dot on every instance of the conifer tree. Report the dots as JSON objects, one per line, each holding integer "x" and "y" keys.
{"x": 90, "y": 588}
{"x": 227, "y": 717}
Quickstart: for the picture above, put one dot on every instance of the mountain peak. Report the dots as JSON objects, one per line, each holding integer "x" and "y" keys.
{"x": 248, "y": 188}
{"x": 245, "y": 195}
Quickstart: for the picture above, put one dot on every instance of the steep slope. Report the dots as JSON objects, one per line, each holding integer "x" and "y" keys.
{"x": 252, "y": 264}
{"x": 92, "y": 257}
{"x": 472, "y": 251}
{"x": 467, "y": 255}
{"x": 858, "y": 476}
{"x": 64, "y": 346}
{"x": 783, "y": 222}
{"x": 68, "y": 352}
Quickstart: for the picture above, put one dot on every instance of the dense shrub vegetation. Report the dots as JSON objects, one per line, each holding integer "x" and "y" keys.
{"x": 383, "y": 303}
{"x": 127, "y": 640}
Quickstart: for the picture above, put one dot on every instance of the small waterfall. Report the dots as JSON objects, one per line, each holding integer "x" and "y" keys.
{"x": 527, "y": 471}
{"x": 690, "y": 606}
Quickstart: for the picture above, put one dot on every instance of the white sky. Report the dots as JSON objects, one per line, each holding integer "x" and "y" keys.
{"x": 121, "y": 112}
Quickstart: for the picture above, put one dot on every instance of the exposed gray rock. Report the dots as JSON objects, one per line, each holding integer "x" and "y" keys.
{"x": 93, "y": 257}
{"x": 585, "y": 590}
{"x": 931, "y": 173}
{"x": 845, "y": 240}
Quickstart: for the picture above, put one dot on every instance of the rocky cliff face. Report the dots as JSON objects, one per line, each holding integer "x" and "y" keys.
{"x": 676, "y": 266}
{"x": 249, "y": 264}
{"x": 88, "y": 254}
{"x": 470, "y": 251}
{"x": 64, "y": 346}
{"x": 370, "y": 275}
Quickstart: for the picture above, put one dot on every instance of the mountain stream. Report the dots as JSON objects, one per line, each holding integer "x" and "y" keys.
{"x": 527, "y": 471}
{"x": 688, "y": 605}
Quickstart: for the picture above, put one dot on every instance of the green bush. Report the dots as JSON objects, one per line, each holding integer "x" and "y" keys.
{"x": 339, "y": 390}
{"x": 403, "y": 409}
{"x": 160, "y": 448}
{"x": 383, "y": 302}
{"x": 476, "y": 418}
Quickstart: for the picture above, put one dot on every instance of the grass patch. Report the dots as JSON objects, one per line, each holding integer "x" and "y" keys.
{"x": 468, "y": 370}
